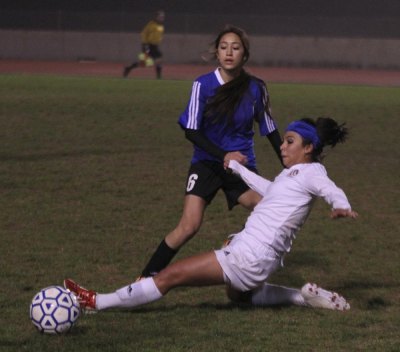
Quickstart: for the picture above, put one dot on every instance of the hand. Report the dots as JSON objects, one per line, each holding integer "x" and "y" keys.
{"x": 343, "y": 213}
{"x": 238, "y": 156}
{"x": 146, "y": 48}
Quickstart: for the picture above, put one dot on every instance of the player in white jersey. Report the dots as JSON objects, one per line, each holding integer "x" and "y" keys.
{"x": 246, "y": 263}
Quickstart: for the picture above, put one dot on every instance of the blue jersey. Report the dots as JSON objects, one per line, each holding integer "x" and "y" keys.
{"x": 237, "y": 136}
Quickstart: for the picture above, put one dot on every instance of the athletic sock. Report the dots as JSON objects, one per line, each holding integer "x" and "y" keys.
{"x": 158, "y": 71}
{"x": 132, "y": 66}
{"x": 159, "y": 260}
{"x": 269, "y": 295}
{"x": 135, "y": 294}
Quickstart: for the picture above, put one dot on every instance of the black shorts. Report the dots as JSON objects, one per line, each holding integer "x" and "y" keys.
{"x": 205, "y": 178}
{"x": 152, "y": 50}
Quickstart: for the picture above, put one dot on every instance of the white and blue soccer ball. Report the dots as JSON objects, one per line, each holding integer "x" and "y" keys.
{"x": 54, "y": 310}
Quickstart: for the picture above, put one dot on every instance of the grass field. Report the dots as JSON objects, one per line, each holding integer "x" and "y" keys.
{"x": 92, "y": 175}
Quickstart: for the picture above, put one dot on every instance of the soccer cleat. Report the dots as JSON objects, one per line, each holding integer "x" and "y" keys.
{"x": 317, "y": 297}
{"x": 86, "y": 298}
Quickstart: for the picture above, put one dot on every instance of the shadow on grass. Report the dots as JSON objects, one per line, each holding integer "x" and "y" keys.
{"x": 367, "y": 284}
{"x": 307, "y": 258}
{"x": 362, "y": 289}
{"x": 203, "y": 306}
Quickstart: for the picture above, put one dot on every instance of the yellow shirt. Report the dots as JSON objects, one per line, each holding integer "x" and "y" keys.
{"x": 152, "y": 33}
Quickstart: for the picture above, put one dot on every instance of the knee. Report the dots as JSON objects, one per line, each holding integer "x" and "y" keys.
{"x": 183, "y": 232}
{"x": 189, "y": 230}
{"x": 167, "y": 279}
{"x": 161, "y": 282}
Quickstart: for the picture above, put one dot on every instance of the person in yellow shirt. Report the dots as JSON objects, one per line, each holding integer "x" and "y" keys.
{"x": 151, "y": 37}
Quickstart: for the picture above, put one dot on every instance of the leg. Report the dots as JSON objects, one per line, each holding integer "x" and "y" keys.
{"x": 189, "y": 224}
{"x": 310, "y": 295}
{"x": 271, "y": 295}
{"x": 199, "y": 270}
{"x": 158, "y": 67}
{"x": 128, "y": 69}
{"x": 267, "y": 295}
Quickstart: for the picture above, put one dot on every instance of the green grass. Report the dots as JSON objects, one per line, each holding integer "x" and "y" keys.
{"x": 92, "y": 175}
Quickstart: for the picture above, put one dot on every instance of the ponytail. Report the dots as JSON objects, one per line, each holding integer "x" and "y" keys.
{"x": 329, "y": 132}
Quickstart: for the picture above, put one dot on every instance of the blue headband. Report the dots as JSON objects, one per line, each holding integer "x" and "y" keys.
{"x": 305, "y": 130}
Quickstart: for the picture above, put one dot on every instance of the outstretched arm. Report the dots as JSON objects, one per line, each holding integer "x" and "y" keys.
{"x": 319, "y": 184}
{"x": 254, "y": 181}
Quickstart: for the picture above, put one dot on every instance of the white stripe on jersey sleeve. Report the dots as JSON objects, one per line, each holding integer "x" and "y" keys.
{"x": 268, "y": 119}
{"x": 270, "y": 122}
{"x": 194, "y": 105}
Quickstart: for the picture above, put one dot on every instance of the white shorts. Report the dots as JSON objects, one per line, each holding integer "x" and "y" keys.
{"x": 247, "y": 265}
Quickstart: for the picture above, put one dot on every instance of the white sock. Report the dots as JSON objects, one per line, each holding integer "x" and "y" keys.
{"x": 135, "y": 294}
{"x": 269, "y": 295}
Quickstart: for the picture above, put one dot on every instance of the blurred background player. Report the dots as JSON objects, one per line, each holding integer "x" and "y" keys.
{"x": 151, "y": 37}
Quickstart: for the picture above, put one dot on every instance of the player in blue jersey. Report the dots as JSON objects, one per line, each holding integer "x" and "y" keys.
{"x": 219, "y": 120}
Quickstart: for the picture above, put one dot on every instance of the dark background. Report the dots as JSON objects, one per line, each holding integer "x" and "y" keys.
{"x": 337, "y": 18}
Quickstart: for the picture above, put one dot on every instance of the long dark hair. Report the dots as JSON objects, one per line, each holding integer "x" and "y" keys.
{"x": 228, "y": 96}
{"x": 329, "y": 132}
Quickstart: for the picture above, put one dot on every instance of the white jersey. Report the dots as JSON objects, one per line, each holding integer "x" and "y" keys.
{"x": 286, "y": 203}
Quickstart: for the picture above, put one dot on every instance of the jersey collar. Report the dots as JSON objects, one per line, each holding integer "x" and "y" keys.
{"x": 219, "y": 77}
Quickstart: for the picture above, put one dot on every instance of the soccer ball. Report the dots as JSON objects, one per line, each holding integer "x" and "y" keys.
{"x": 54, "y": 310}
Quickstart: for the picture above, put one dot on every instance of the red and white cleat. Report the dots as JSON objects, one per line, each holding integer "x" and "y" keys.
{"x": 317, "y": 297}
{"x": 86, "y": 298}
